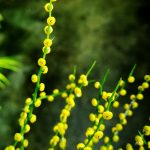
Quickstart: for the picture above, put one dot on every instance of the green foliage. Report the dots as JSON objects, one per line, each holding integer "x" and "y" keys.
{"x": 115, "y": 33}
{"x": 10, "y": 64}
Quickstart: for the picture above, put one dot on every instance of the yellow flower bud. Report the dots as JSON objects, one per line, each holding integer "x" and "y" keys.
{"x": 41, "y": 62}
{"x": 94, "y": 102}
{"x": 131, "y": 79}
{"x": 37, "y": 103}
{"x": 51, "y": 21}
{"x": 18, "y": 137}
{"x": 107, "y": 115}
{"x": 123, "y": 92}
{"x": 139, "y": 96}
{"x": 33, "y": 118}
{"x": 47, "y": 42}
{"x": 34, "y": 78}
{"x": 97, "y": 85}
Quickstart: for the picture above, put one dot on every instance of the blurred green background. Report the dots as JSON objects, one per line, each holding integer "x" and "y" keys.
{"x": 114, "y": 33}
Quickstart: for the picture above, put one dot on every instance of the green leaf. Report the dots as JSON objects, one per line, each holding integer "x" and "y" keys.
{"x": 3, "y": 81}
{"x": 9, "y": 63}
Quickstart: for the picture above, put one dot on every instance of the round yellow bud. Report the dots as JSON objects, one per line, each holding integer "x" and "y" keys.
{"x": 98, "y": 135}
{"x": 145, "y": 85}
{"x": 18, "y": 137}
{"x": 147, "y": 78}
{"x": 121, "y": 83}
{"x": 115, "y": 138}
{"x": 71, "y": 77}
{"x": 123, "y": 92}
{"x": 107, "y": 115}
{"x": 87, "y": 148}
{"x": 48, "y": 7}
{"x": 41, "y": 62}
{"x": 78, "y": 92}
{"x": 115, "y": 104}
{"x": 119, "y": 127}
{"x": 28, "y": 101}
{"x": 140, "y": 88}
{"x": 132, "y": 97}
{"x": 103, "y": 148}
{"x": 101, "y": 109}
{"x": 126, "y": 106}
{"x": 10, "y": 147}
{"x": 139, "y": 96}
{"x": 48, "y": 29}
{"x": 80, "y": 146}
{"x": 55, "y": 139}
{"x": 106, "y": 139}
{"x": 131, "y": 79}
{"x": 25, "y": 143}
{"x": 134, "y": 105}
{"x": 89, "y": 132}
{"x": 129, "y": 113}
{"x": 129, "y": 147}
{"x": 42, "y": 87}
{"x": 56, "y": 91}
{"x": 122, "y": 116}
{"x": 64, "y": 95}
{"x": 104, "y": 95}
{"x": 102, "y": 127}
{"x": 51, "y": 21}
{"x": 33, "y": 118}
{"x": 45, "y": 69}
{"x": 97, "y": 85}
{"x": 63, "y": 143}
{"x": 34, "y": 78}
{"x": 50, "y": 98}
{"x": 110, "y": 147}
{"x": 92, "y": 117}
{"x": 37, "y": 103}
{"x": 46, "y": 50}
{"x": 124, "y": 121}
{"x": 47, "y": 42}
{"x": 27, "y": 128}
{"x": 94, "y": 102}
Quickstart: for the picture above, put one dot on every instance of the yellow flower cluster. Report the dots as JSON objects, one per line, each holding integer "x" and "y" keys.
{"x": 25, "y": 127}
{"x": 128, "y": 111}
{"x": 27, "y": 116}
{"x": 74, "y": 90}
{"x": 96, "y": 132}
{"x": 140, "y": 139}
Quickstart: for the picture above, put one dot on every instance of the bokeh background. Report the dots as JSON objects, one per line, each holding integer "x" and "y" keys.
{"x": 114, "y": 33}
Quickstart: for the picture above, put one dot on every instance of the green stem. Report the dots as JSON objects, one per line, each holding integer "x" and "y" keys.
{"x": 142, "y": 136}
{"x": 102, "y": 119}
{"x": 111, "y": 98}
{"x": 91, "y": 68}
{"x": 103, "y": 81}
{"x": 132, "y": 70}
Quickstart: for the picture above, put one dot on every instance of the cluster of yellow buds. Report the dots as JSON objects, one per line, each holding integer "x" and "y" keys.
{"x": 27, "y": 116}
{"x": 25, "y": 127}
{"x": 96, "y": 132}
{"x": 128, "y": 110}
{"x": 73, "y": 90}
{"x": 140, "y": 139}
{"x": 83, "y": 80}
